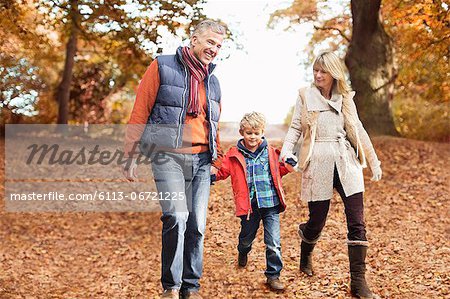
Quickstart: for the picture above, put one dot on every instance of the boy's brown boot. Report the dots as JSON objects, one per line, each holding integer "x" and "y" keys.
{"x": 242, "y": 260}
{"x": 275, "y": 284}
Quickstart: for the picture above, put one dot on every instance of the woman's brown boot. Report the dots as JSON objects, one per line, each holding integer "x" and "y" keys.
{"x": 358, "y": 284}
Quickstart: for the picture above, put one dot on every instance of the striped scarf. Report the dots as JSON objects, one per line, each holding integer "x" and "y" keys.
{"x": 198, "y": 72}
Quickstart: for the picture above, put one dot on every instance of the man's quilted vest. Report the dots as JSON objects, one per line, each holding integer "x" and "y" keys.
{"x": 165, "y": 124}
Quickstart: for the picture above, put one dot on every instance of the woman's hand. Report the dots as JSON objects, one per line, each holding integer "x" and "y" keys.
{"x": 377, "y": 173}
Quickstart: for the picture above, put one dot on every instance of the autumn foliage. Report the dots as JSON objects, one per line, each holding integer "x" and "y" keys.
{"x": 421, "y": 33}
{"x": 114, "y": 44}
{"x": 420, "y": 36}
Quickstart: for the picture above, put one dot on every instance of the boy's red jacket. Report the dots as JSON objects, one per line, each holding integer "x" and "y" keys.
{"x": 234, "y": 164}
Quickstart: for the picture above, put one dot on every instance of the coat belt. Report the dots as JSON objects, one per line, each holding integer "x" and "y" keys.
{"x": 344, "y": 144}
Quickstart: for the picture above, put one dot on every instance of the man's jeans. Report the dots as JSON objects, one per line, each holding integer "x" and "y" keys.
{"x": 183, "y": 221}
{"x": 271, "y": 222}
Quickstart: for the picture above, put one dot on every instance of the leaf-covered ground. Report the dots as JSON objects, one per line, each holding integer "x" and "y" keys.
{"x": 117, "y": 255}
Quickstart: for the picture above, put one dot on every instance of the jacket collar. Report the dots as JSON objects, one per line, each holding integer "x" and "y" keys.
{"x": 316, "y": 102}
{"x": 179, "y": 56}
{"x": 247, "y": 153}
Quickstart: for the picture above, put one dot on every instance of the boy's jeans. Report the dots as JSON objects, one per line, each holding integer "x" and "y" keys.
{"x": 271, "y": 222}
{"x": 183, "y": 221}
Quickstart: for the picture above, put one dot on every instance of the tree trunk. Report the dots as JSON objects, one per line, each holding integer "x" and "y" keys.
{"x": 371, "y": 66}
{"x": 7, "y": 116}
{"x": 63, "y": 93}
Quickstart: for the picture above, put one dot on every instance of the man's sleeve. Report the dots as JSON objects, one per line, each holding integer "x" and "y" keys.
{"x": 143, "y": 105}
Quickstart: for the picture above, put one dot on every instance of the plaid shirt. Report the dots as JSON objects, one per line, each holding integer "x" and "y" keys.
{"x": 259, "y": 179}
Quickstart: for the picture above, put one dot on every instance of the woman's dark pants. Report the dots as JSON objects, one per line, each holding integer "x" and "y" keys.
{"x": 354, "y": 212}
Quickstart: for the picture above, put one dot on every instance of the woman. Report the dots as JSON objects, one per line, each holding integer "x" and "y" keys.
{"x": 333, "y": 152}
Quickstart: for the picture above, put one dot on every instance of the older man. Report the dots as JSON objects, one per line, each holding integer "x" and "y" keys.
{"x": 179, "y": 101}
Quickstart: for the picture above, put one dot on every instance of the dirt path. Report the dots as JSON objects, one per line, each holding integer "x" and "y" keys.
{"x": 116, "y": 255}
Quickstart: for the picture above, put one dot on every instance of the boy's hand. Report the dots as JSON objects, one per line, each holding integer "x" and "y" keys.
{"x": 214, "y": 170}
{"x": 212, "y": 179}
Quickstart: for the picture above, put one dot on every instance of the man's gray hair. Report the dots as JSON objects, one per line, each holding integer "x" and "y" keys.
{"x": 209, "y": 24}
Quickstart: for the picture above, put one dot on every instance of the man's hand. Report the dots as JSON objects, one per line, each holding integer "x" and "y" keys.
{"x": 214, "y": 170}
{"x": 377, "y": 173}
{"x": 129, "y": 170}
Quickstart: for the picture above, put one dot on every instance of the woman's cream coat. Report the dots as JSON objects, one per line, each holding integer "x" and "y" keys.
{"x": 304, "y": 124}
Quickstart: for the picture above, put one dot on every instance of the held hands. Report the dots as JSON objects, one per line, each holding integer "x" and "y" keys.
{"x": 129, "y": 170}
{"x": 377, "y": 173}
{"x": 290, "y": 161}
{"x": 214, "y": 170}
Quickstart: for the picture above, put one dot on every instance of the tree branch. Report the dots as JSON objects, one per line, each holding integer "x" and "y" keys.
{"x": 63, "y": 7}
{"x": 390, "y": 81}
{"x": 437, "y": 41}
{"x": 341, "y": 33}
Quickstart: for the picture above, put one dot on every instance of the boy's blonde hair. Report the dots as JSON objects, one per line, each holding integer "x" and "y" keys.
{"x": 254, "y": 120}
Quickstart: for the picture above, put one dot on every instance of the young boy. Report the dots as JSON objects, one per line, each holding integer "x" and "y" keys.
{"x": 256, "y": 180}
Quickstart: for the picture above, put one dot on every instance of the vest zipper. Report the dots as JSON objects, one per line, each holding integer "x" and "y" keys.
{"x": 211, "y": 144}
{"x": 181, "y": 124}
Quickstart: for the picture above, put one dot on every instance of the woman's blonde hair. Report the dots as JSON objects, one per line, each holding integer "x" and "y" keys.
{"x": 332, "y": 64}
{"x": 254, "y": 120}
